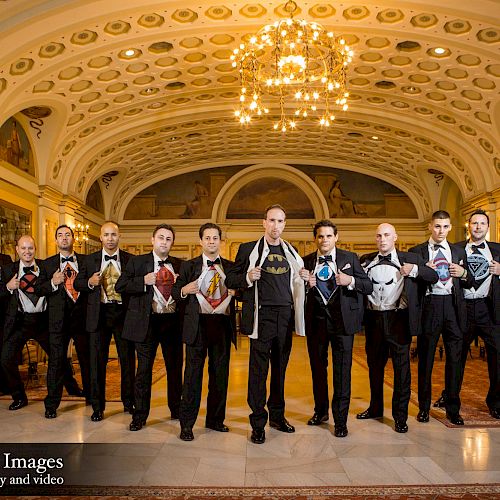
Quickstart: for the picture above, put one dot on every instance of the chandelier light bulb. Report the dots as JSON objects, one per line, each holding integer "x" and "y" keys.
{"x": 294, "y": 65}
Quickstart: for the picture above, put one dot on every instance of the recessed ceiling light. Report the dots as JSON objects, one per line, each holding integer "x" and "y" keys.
{"x": 375, "y": 137}
{"x": 439, "y": 50}
{"x": 130, "y": 52}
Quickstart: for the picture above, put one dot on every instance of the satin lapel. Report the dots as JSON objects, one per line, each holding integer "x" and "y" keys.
{"x": 340, "y": 259}
{"x": 454, "y": 254}
{"x": 198, "y": 264}
{"x": 150, "y": 263}
{"x": 425, "y": 252}
{"x": 97, "y": 262}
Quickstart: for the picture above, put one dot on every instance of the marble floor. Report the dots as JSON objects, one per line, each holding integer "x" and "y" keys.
{"x": 372, "y": 454}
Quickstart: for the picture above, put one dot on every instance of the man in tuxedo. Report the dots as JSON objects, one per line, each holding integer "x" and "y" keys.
{"x": 67, "y": 311}
{"x": 105, "y": 315}
{"x": 151, "y": 319}
{"x": 25, "y": 317}
{"x": 269, "y": 272}
{"x": 209, "y": 328}
{"x": 333, "y": 314}
{"x": 4, "y": 294}
{"x": 483, "y": 304}
{"x": 393, "y": 315}
{"x": 445, "y": 313}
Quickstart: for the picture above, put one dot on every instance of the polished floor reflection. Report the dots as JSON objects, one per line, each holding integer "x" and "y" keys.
{"x": 372, "y": 454}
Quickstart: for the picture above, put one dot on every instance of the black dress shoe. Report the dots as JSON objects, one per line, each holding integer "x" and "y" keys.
{"x": 495, "y": 413}
{"x": 136, "y": 424}
{"x": 50, "y": 413}
{"x": 455, "y": 418}
{"x": 440, "y": 403}
{"x": 217, "y": 427}
{"x": 401, "y": 426}
{"x": 76, "y": 392}
{"x": 282, "y": 425}
{"x": 340, "y": 431}
{"x": 317, "y": 419}
{"x": 258, "y": 436}
{"x": 423, "y": 416}
{"x": 18, "y": 404}
{"x": 97, "y": 416}
{"x": 364, "y": 415}
{"x": 186, "y": 434}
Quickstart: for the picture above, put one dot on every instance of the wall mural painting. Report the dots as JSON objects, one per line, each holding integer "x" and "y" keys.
{"x": 94, "y": 198}
{"x": 252, "y": 199}
{"x": 15, "y": 147}
{"x": 14, "y": 222}
{"x": 348, "y": 195}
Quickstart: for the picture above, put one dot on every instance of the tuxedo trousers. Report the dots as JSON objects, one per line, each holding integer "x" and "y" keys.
{"x": 73, "y": 328}
{"x": 440, "y": 317}
{"x": 27, "y": 326}
{"x": 387, "y": 334}
{"x": 327, "y": 330}
{"x": 163, "y": 330}
{"x": 111, "y": 318}
{"x": 273, "y": 347}
{"x": 213, "y": 339}
{"x": 480, "y": 323}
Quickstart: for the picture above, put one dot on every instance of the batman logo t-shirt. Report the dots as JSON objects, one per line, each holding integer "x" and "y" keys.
{"x": 274, "y": 283}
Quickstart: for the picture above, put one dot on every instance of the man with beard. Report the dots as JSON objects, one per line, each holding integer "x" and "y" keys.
{"x": 106, "y": 309}
{"x": 67, "y": 311}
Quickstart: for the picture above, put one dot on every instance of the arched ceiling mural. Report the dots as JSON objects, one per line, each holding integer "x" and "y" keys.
{"x": 167, "y": 105}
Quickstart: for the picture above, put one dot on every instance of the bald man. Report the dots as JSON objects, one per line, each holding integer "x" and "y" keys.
{"x": 105, "y": 317}
{"x": 25, "y": 316}
{"x": 393, "y": 315}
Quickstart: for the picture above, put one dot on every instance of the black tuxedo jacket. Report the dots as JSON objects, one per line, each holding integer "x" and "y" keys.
{"x": 415, "y": 288}
{"x": 190, "y": 271}
{"x": 131, "y": 283}
{"x": 92, "y": 264}
{"x": 351, "y": 301}
{"x": 494, "y": 292}
{"x": 12, "y": 301}
{"x": 458, "y": 256}
{"x": 5, "y": 260}
{"x": 56, "y": 300}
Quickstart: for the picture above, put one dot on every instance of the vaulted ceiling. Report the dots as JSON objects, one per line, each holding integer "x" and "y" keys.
{"x": 145, "y": 88}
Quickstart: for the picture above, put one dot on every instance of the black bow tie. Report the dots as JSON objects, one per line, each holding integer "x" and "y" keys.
{"x": 161, "y": 263}
{"x": 28, "y": 269}
{"x": 384, "y": 257}
{"x": 327, "y": 258}
{"x": 437, "y": 247}
{"x": 67, "y": 259}
{"x": 213, "y": 262}
{"x": 475, "y": 247}
{"x": 111, "y": 257}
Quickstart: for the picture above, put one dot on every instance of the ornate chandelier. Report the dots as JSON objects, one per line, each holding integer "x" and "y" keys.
{"x": 296, "y": 62}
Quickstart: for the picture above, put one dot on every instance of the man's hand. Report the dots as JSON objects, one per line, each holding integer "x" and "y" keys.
{"x": 312, "y": 280}
{"x": 58, "y": 278}
{"x": 457, "y": 271}
{"x": 343, "y": 279}
{"x": 150, "y": 279}
{"x": 406, "y": 269}
{"x": 190, "y": 288}
{"x": 95, "y": 279}
{"x": 13, "y": 284}
{"x": 431, "y": 265}
{"x": 304, "y": 274}
{"x": 254, "y": 274}
{"x": 494, "y": 268}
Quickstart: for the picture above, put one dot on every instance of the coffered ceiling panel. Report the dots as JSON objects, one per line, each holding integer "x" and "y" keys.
{"x": 146, "y": 87}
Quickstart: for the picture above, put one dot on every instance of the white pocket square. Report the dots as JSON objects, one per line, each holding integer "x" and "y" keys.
{"x": 347, "y": 266}
{"x": 461, "y": 263}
